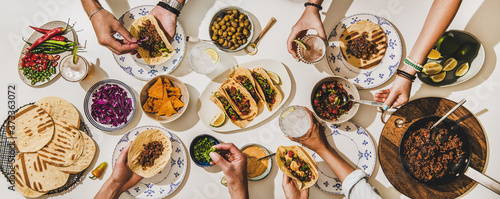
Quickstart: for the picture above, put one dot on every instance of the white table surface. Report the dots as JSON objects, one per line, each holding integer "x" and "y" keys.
{"x": 482, "y": 92}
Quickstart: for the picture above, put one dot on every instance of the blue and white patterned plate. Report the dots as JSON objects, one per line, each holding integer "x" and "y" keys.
{"x": 137, "y": 67}
{"x": 354, "y": 144}
{"x": 373, "y": 77}
{"x": 169, "y": 179}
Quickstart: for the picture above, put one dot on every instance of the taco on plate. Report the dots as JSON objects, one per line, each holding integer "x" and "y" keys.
{"x": 240, "y": 99}
{"x": 243, "y": 76}
{"x": 295, "y": 162}
{"x": 266, "y": 88}
{"x": 149, "y": 153}
{"x": 154, "y": 47}
{"x": 219, "y": 98}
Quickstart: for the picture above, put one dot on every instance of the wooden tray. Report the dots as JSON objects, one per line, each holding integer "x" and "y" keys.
{"x": 391, "y": 137}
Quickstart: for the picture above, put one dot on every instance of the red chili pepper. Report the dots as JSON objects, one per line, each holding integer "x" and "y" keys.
{"x": 47, "y": 36}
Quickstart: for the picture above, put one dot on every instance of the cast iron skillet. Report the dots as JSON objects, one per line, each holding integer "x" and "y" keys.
{"x": 454, "y": 170}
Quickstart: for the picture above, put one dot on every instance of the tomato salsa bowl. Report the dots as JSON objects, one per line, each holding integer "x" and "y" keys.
{"x": 325, "y": 97}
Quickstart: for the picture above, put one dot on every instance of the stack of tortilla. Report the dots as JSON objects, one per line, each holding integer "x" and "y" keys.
{"x": 51, "y": 146}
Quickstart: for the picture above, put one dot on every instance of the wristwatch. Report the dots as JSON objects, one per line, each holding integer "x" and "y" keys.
{"x": 174, "y": 4}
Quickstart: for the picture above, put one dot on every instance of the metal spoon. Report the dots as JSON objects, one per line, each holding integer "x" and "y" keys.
{"x": 267, "y": 156}
{"x": 264, "y": 31}
{"x": 344, "y": 99}
{"x": 448, "y": 114}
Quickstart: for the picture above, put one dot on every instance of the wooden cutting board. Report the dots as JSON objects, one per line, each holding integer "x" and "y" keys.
{"x": 390, "y": 139}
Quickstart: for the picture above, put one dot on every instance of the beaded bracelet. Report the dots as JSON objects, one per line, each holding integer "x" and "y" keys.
{"x": 413, "y": 64}
{"x": 406, "y": 75}
{"x": 169, "y": 8}
{"x": 313, "y": 4}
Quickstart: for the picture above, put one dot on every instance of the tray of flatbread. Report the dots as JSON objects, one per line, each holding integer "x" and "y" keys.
{"x": 45, "y": 148}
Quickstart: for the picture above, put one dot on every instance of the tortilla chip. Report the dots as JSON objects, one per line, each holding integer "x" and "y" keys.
{"x": 167, "y": 109}
{"x": 156, "y": 90}
{"x": 167, "y": 82}
{"x": 157, "y": 104}
{"x": 176, "y": 103}
{"x": 148, "y": 106}
{"x": 174, "y": 91}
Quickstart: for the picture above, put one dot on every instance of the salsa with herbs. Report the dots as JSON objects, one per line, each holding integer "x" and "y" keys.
{"x": 243, "y": 80}
{"x": 239, "y": 100}
{"x": 298, "y": 167}
{"x": 227, "y": 107}
{"x": 151, "y": 40}
{"x": 203, "y": 148}
{"x": 327, "y": 100}
{"x": 269, "y": 93}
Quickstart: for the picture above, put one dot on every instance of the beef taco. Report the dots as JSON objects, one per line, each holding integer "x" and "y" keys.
{"x": 154, "y": 47}
{"x": 219, "y": 98}
{"x": 271, "y": 95}
{"x": 295, "y": 162}
{"x": 243, "y": 76}
{"x": 149, "y": 153}
{"x": 240, "y": 99}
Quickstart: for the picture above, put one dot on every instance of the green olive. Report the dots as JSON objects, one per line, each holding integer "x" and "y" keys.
{"x": 223, "y": 27}
{"x": 229, "y": 44}
{"x": 220, "y": 32}
{"x": 225, "y": 44}
{"x": 221, "y": 41}
{"x": 218, "y": 19}
{"x": 214, "y": 37}
{"x": 231, "y": 17}
{"x": 229, "y": 12}
{"x": 212, "y": 28}
{"x": 245, "y": 32}
{"x": 217, "y": 26}
{"x": 233, "y": 29}
{"x": 246, "y": 22}
{"x": 228, "y": 37}
{"x": 249, "y": 26}
{"x": 238, "y": 34}
{"x": 236, "y": 45}
{"x": 244, "y": 41}
{"x": 242, "y": 24}
{"x": 234, "y": 37}
{"x": 238, "y": 29}
{"x": 232, "y": 48}
{"x": 233, "y": 40}
{"x": 234, "y": 24}
{"x": 226, "y": 18}
{"x": 241, "y": 17}
{"x": 229, "y": 33}
{"x": 240, "y": 42}
{"x": 235, "y": 11}
{"x": 224, "y": 34}
{"x": 228, "y": 24}
{"x": 214, "y": 23}
{"x": 221, "y": 23}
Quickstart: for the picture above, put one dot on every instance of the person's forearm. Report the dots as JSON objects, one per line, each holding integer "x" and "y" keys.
{"x": 239, "y": 191}
{"x": 338, "y": 165}
{"x": 90, "y": 6}
{"x": 110, "y": 189}
{"x": 439, "y": 18}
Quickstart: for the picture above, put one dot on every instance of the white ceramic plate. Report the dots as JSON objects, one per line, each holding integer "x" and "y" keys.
{"x": 354, "y": 144}
{"x": 137, "y": 67}
{"x": 70, "y": 35}
{"x": 207, "y": 109}
{"x": 373, "y": 77}
{"x": 169, "y": 179}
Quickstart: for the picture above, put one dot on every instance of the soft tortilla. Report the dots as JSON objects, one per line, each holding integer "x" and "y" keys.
{"x": 241, "y": 122}
{"x": 34, "y": 173}
{"x": 278, "y": 96}
{"x": 134, "y": 30}
{"x": 138, "y": 146}
{"x": 375, "y": 33}
{"x": 34, "y": 128}
{"x": 85, "y": 159}
{"x": 66, "y": 147}
{"x": 242, "y": 71}
{"x": 253, "y": 105}
{"x": 303, "y": 155}
{"x": 60, "y": 109}
{"x": 26, "y": 191}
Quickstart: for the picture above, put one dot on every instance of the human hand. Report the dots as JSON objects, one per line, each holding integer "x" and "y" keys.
{"x": 234, "y": 168}
{"x": 291, "y": 190}
{"x": 397, "y": 95}
{"x": 315, "y": 138}
{"x": 310, "y": 19}
{"x": 105, "y": 26}
{"x": 167, "y": 20}
{"x": 122, "y": 173}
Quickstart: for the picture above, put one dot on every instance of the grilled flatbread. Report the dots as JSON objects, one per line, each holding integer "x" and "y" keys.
{"x": 145, "y": 54}
{"x": 216, "y": 98}
{"x": 34, "y": 128}
{"x": 26, "y": 191}
{"x": 299, "y": 155}
{"x": 242, "y": 94}
{"x": 138, "y": 146}
{"x": 34, "y": 173}
{"x": 85, "y": 159}
{"x": 265, "y": 86}
{"x": 66, "y": 147}
{"x": 374, "y": 33}
{"x": 60, "y": 109}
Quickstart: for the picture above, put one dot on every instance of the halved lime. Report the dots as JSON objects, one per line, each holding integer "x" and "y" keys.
{"x": 274, "y": 77}
{"x": 450, "y": 64}
{"x": 462, "y": 69}
{"x": 439, "y": 77}
{"x": 434, "y": 54}
{"x": 432, "y": 68}
{"x": 447, "y": 45}
{"x": 466, "y": 51}
{"x": 213, "y": 54}
{"x": 301, "y": 43}
{"x": 288, "y": 111}
{"x": 218, "y": 120}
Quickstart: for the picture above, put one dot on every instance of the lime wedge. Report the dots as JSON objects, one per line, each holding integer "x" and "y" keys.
{"x": 218, "y": 120}
{"x": 432, "y": 68}
{"x": 274, "y": 77}
{"x": 301, "y": 43}
{"x": 223, "y": 181}
{"x": 450, "y": 64}
{"x": 439, "y": 77}
{"x": 447, "y": 45}
{"x": 213, "y": 54}
{"x": 288, "y": 111}
{"x": 434, "y": 54}
{"x": 462, "y": 69}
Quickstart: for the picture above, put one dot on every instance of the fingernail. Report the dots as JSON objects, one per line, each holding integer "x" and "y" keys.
{"x": 297, "y": 59}
{"x": 385, "y": 107}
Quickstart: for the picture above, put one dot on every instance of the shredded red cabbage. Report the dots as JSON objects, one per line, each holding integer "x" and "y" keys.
{"x": 110, "y": 105}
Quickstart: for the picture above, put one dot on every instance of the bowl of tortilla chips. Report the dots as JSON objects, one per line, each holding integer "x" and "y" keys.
{"x": 164, "y": 98}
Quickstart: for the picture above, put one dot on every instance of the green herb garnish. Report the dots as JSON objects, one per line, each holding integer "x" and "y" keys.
{"x": 202, "y": 150}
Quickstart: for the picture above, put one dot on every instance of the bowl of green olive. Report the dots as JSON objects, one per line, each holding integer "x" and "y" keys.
{"x": 231, "y": 29}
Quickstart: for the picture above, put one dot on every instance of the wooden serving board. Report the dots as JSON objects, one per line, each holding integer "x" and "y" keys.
{"x": 390, "y": 140}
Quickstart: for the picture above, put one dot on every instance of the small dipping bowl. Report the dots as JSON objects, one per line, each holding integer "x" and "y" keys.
{"x": 194, "y": 142}
{"x": 74, "y": 72}
{"x": 316, "y": 49}
{"x": 268, "y": 160}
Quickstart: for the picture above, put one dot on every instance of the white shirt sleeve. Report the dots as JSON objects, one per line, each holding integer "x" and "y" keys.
{"x": 356, "y": 186}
